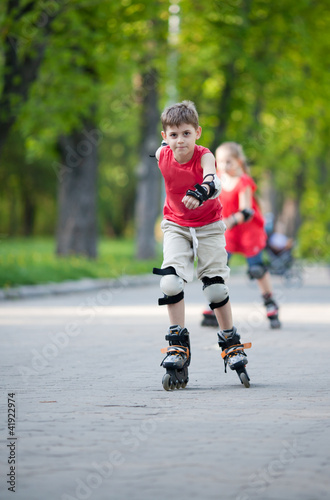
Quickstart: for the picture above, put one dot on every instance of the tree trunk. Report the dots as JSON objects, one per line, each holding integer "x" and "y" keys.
{"x": 28, "y": 214}
{"x": 13, "y": 219}
{"x": 77, "y": 175}
{"x": 224, "y": 106}
{"x": 148, "y": 188}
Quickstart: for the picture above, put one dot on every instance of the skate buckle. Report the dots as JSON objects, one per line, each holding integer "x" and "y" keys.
{"x": 175, "y": 349}
{"x": 230, "y": 351}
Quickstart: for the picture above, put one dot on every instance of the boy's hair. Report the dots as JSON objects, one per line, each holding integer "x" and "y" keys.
{"x": 236, "y": 150}
{"x": 182, "y": 112}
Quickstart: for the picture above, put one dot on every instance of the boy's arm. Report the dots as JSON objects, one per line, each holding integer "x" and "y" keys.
{"x": 210, "y": 173}
{"x": 210, "y": 187}
{"x": 158, "y": 150}
{"x": 208, "y": 164}
{"x": 158, "y": 153}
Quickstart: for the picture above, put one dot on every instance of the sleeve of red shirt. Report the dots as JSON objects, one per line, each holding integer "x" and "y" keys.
{"x": 247, "y": 181}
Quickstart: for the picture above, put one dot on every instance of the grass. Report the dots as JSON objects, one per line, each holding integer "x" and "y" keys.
{"x": 33, "y": 261}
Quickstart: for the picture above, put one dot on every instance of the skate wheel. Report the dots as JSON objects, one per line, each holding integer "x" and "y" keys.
{"x": 244, "y": 379}
{"x": 183, "y": 385}
{"x": 167, "y": 382}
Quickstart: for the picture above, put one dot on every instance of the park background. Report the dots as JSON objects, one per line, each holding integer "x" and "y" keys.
{"x": 82, "y": 86}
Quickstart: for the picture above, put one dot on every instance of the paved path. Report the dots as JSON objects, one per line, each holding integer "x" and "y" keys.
{"x": 92, "y": 419}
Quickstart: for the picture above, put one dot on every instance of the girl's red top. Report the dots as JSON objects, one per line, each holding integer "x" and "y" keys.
{"x": 250, "y": 237}
{"x": 178, "y": 178}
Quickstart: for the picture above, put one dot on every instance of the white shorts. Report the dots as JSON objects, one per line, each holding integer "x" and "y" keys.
{"x": 183, "y": 244}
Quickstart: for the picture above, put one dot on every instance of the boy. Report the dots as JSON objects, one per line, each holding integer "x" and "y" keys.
{"x": 192, "y": 228}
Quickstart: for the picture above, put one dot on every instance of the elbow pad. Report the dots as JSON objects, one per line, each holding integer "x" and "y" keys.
{"x": 214, "y": 186}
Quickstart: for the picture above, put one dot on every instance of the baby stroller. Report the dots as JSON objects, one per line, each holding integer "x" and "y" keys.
{"x": 280, "y": 259}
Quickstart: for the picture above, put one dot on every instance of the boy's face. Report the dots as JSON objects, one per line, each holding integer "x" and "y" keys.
{"x": 182, "y": 140}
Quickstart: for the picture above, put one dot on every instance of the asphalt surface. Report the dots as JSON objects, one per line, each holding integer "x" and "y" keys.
{"x": 92, "y": 420}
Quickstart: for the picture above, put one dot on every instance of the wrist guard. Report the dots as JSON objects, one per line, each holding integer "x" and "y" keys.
{"x": 248, "y": 213}
{"x": 200, "y": 192}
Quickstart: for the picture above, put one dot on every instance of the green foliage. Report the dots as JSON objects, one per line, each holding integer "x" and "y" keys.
{"x": 93, "y": 59}
{"x": 257, "y": 71}
{"x": 27, "y": 191}
{"x": 32, "y": 261}
{"x": 315, "y": 231}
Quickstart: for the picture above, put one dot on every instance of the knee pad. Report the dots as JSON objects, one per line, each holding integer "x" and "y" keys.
{"x": 216, "y": 291}
{"x": 257, "y": 271}
{"x": 171, "y": 285}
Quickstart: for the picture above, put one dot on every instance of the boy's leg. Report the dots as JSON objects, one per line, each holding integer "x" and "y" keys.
{"x": 224, "y": 316}
{"x": 209, "y": 316}
{"x": 177, "y": 250}
{"x": 229, "y": 341}
{"x": 177, "y": 268}
{"x": 176, "y": 313}
{"x": 212, "y": 269}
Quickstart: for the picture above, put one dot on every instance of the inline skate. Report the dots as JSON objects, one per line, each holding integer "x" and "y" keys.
{"x": 209, "y": 318}
{"x": 177, "y": 358}
{"x": 234, "y": 355}
{"x": 272, "y": 310}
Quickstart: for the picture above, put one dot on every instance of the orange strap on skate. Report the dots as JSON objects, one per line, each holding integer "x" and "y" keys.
{"x": 234, "y": 348}
{"x": 178, "y": 348}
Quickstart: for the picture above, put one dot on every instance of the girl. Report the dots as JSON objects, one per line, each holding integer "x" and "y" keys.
{"x": 245, "y": 232}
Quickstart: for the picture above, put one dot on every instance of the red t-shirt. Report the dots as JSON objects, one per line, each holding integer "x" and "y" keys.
{"x": 178, "y": 178}
{"x": 250, "y": 237}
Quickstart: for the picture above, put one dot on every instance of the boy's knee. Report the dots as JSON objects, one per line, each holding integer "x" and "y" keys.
{"x": 171, "y": 285}
{"x": 216, "y": 291}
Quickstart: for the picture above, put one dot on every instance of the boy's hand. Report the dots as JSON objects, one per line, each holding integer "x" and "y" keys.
{"x": 190, "y": 202}
{"x": 195, "y": 197}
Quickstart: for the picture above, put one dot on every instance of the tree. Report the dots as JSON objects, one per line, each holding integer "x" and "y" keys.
{"x": 27, "y": 191}
{"x": 83, "y": 58}
{"x": 77, "y": 228}
{"x": 256, "y": 71}
{"x": 148, "y": 188}
{"x": 23, "y": 52}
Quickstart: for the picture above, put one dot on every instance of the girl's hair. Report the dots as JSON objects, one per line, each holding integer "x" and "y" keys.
{"x": 236, "y": 150}
{"x": 182, "y": 112}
